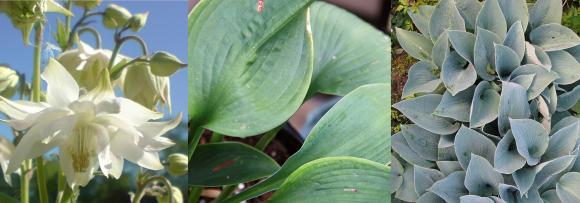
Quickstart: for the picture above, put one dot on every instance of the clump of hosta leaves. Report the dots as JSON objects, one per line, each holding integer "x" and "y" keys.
{"x": 494, "y": 102}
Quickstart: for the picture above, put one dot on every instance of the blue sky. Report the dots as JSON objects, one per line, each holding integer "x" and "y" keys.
{"x": 166, "y": 30}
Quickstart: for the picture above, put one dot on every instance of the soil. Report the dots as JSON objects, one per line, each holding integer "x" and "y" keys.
{"x": 401, "y": 62}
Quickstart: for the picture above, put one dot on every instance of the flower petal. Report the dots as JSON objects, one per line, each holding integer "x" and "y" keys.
{"x": 155, "y": 129}
{"x": 124, "y": 144}
{"x": 62, "y": 87}
{"x": 20, "y": 109}
{"x": 75, "y": 178}
{"x": 136, "y": 114}
{"x": 31, "y": 119}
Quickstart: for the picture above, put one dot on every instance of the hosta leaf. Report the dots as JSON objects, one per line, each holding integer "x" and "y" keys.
{"x": 545, "y": 12}
{"x": 553, "y": 37}
{"x": 423, "y": 142}
{"x": 514, "y": 11}
{"x": 445, "y": 17}
{"x": 421, "y": 18}
{"x": 551, "y": 98}
{"x": 531, "y": 139}
{"x": 456, "y": 107}
{"x": 524, "y": 178}
{"x": 507, "y": 159}
{"x": 562, "y": 142}
{"x": 566, "y": 66}
{"x": 364, "y": 112}
{"x": 491, "y": 18}
{"x": 484, "y": 105}
{"x": 506, "y": 61}
{"x": 568, "y": 187}
{"x": 515, "y": 39}
{"x": 420, "y": 111}
{"x": 336, "y": 179}
{"x": 536, "y": 55}
{"x": 542, "y": 79}
{"x": 430, "y": 197}
{"x": 397, "y": 171}
{"x": 468, "y": 141}
{"x": 480, "y": 177}
{"x": 469, "y": 10}
{"x": 421, "y": 79}
{"x": 551, "y": 196}
{"x": 446, "y": 141}
{"x": 511, "y": 195}
{"x": 440, "y": 49}
{"x": 249, "y": 78}
{"x": 415, "y": 44}
{"x": 575, "y": 51}
{"x": 402, "y": 148}
{"x": 553, "y": 168}
{"x": 407, "y": 190}
{"x": 228, "y": 163}
{"x": 475, "y": 199}
{"x": 463, "y": 43}
{"x": 450, "y": 188}
{"x": 424, "y": 178}
{"x": 448, "y": 167}
{"x": 484, "y": 57}
{"x": 457, "y": 73}
{"x": 446, "y": 153}
{"x": 338, "y": 69}
{"x": 569, "y": 99}
{"x": 513, "y": 103}
{"x": 524, "y": 80}
{"x": 563, "y": 123}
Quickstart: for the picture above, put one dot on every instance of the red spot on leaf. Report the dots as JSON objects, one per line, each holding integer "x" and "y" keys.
{"x": 223, "y": 165}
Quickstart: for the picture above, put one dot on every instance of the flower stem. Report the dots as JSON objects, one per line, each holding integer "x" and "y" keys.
{"x": 195, "y": 194}
{"x": 195, "y": 137}
{"x": 141, "y": 191}
{"x": 226, "y": 192}
{"x": 119, "y": 42}
{"x": 216, "y": 137}
{"x": 24, "y": 183}
{"x": 95, "y": 34}
{"x": 41, "y": 178}
{"x": 267, "y": 138}
{"x": 67, "y": 195}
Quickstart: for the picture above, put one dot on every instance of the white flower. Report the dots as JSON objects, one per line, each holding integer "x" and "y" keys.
{"x": 92, "y": 131}
{"x": 6, "y": 149}
{"x": 146, "y": 88}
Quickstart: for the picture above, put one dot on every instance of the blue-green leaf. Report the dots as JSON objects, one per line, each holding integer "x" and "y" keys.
{"x": 469, "y": 10}
{"x": 448, "y": 167}
{"x": 545, "y": 12}
{"x": 397, "y": 171}
{"x": 566, "y": 66}
{"x": 401, "y": 147}
{"x": 423, "y": 142}
{"x": 551, "y": 196}
{"x": 513, "y": 103}
{"x": 562, "y": 142}
{"x": 514, "y": 11}
{"x": 430, "y": 197}
{"x": 511, "y": 194}
{"x": 480, "y": 178}
{"x": 542, "y": 78}
{"x": 415, "y": 44}
{"x": 468, "y": 141}
{"x": 531, "y": 139}
{"x": 484, "y": 57}
{"x": 484, "y": 106}
{"x": 568, "y": 187}
{"x": 553, "y": 37}
{"x": 516, "y": 40}
{"x": 420, "y": 111}
{"x": 569, "y": 99}
{"x": 407, "y": 190}
{"x": 440, "y": 49}
{"x": 456, "y": 107}
{"x": 536, "y": 55}
{"x": 463, "y": 43}
{"x": 445, "y": 17}
{"x": 457, "y": 73}
{"x": 524, "y": 80}
{"x": 491, "y": 18}
{"x": 451, "y": 188}
{"x": 421, "y": 79}
{"x": 475, "y": 199}
{"x": 506, "y": 61}
{"x": 424, "y": 178}
{"x": 421, "y": 18}
{"x": 507, "y": 159}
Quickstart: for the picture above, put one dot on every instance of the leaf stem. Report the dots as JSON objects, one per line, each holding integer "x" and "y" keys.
{"x": 40, "y": 171}
{"x": 267, "y": 138}
{"x": 195, "y": 194}
{"x": 216, "y": 137}
{"x": 226, "y": 192}
{"x": 195, "y": 137}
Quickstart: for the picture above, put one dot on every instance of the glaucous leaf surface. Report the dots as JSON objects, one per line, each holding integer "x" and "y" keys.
{"x": 568, "y": 187}
{"x": 456, "y": 107}
{"x": 420, "y": 111}
{"x": 513, "y": 103}
{"x": 491, "y": 18}
{"x": 421, "y": 79}
{"x": 507, "y": 159}
{"x": 469, "y": 10}
{"x": 554, "y": 37}
{"x": 401, "y": 147}
{"x": 545, "y": 12}
{"x": 457, "y": 73}
{"x": 484, "y": 105}
{"x": 480, "y": 177}
{"x": 415, "y": 44}
{"x": 565, "y": 66}
{"x": 421, "y": 18}
{"x": 407, "y": 190}
{"x": 469, "y": 141}
{"x": 423, "y": 142}
{"x": 542, "y": 78}
{"x": 463, "y": 43}
{"x": 484, "y": 57}
{"x": 445, "y": 17}
{"x": 515, "y": 39}
{"x": 450, "y": 188}
{"x": 531, "y": 139}
{"x": 424, "y": 178}
{"x": 514, "y": 11}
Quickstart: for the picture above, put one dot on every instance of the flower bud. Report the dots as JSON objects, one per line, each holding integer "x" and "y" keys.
{"x": 138, "y": 21}
{"x": 165, "y": 64}
{"x": 177, "y": 196}
{"x": 8, "y": 82}
{"x": 145, "y": 88}
{"x": 177, "y": 164}
{"x": 87, "y": 4}
{"x": 115, "y": 16}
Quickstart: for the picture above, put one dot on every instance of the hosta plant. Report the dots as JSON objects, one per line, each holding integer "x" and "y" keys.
{"x": 494, "y": 102}
{"x": 252, "y": 64}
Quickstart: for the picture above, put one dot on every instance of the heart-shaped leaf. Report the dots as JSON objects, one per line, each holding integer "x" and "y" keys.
{"x": 506, "y": 61}
{"x": 542, "y": 78}
{"x": 397, "y": 171}
{"x": 568, "y": 187}
{"x": 551, "y": 196}
{"x": 468, "y": 10}
{"x": 515, "y": 39}
{"x": 475, "y": 199}
{"x": 554, "y": 37}
{"x": 511, "y": 194}
{"x": 457, "y": 73}
{"x": 415, "y": 44}
{"x": 430, "y": 197}
{"x": 420, "y": 111}
{"x": 401, "y": 147}
{"x": 524, "y": 80}
{"x": 480, "y": 177}
{"x": 514, "y": 11}
{"x": 484, "y": 105}
{"x": 445, "y": 17}
{"x": 336, "y": 179}
{"x": 569, "y": 99}
{"x": 566, "y": 66}
{"x": 545, "y": 12}
{"x": 531, "y": 139}
{"x": 456, "y": 107}
{"x": 249, "y": 78}
{"x": 421, "y": 79}
{"x": 440, "y": 49}
{"x": 562, "y": 142}
{"x": 338, "y": 69}
{"x": 484, "y": 57}
{"x": 463, "y": 43}
{"x": 536, "y": 55}
{"x": 363, "y": 112}
{"x": 228, "y": 163}
{"x": 448, "y": 167}
{"x": 450, "y": 188}
{"x": 507, "y": 159}
{"x": 513, "y": 103}
{"x": 468, "y": 141}
{"x": 491, "y": 18}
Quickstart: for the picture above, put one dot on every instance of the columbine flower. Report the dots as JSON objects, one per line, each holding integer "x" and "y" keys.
{"x": 6, "y": 149}
{"x": 91, "y": 131}
{"x": 86, "y": 64}
{"x": 145, "y": 88}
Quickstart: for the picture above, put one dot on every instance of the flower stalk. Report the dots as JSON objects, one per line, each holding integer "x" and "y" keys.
{"x": 141, "y": 191}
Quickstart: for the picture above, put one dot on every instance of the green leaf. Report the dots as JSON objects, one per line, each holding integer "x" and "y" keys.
{"x": 338, "y": 67}
{"x": 456, "y": 107}
{"x": 445, "y": 17}
{"x": 228, "y": 163}
{"x": 364, "y": 112}
{"x": 484, "y": 57}
{"x": 531, "y": 139}
{"x": 415, "y": 44}
{"x": 491, "y": 18}
{"x": 421, "y": 79}
{"x": 469, "y": 10}
{"x": 551, "y": 196}
{"x": 7, "y": 199}
{"x": 513, "y": 103}
{"x": 457, "y": 73}
{"x": 420, "y": 111}
{"x": 568, "y": 187}
{"x": 248, "y": 71}
{"x": 516, "y": 40}
{"x": 545, "y": 12}
{"x": 336, "y": 179}
{"x": 514, "y": 11}
{"x": 468, "y": 141}
{"x": 484, "y": 106}
{"x": 463, "y": 43}
{"x": 566, "y": 66}
{"x": 506, "y": 61}
{"x": 451, "y": 188}
{"x": 480, "y": 177}
{"x": 507, "y": 160}
{"x": 554, "y": 37}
